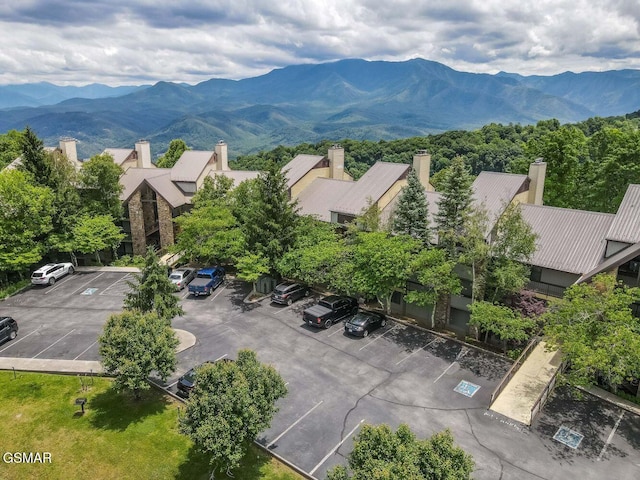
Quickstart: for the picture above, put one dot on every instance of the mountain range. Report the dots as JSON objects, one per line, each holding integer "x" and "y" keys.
{"x": 306, "y": 103}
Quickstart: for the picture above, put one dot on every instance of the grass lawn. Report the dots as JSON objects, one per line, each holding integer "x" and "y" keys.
{"x": 117, "y": 437}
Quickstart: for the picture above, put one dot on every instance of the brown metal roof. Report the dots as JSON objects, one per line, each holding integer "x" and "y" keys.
{"x": 133, "y": 177}
{"x": 613, "y": 261}
{"x": 119, "y": 154}
{"x": 568, "y": 240}
{"x": 158, "y": 178}
{"x": 496, "y": 190}
{"x": 164, "y": 186}
{"x": 299, "y": 167}
{"x": 373, "y": 184}
{"x": 317, "y": 198}
{"x": 626, "y": 226}
{"x": 190, "y": 165}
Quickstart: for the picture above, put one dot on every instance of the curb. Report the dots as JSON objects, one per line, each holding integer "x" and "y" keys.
{"x": 612, "y": 399}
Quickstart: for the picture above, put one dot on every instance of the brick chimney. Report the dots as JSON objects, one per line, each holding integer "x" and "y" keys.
{"x": 336, "y": 162}
{"x": 222, "y": 160}
{"x": 68, "y": 148}
{"x": 537, "y": 173}
{"x": 422, "y": 167}
{"x": 143, "y": 150}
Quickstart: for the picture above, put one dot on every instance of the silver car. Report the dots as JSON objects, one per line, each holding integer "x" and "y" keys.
{"x": 182, "y": 277}
{"x": 49, "y": 273}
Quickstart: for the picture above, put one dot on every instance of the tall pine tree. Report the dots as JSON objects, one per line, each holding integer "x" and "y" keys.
{"x": 410, "y": 215}
{"x": 454, "y": 206}
{"x": 35, "y": 159}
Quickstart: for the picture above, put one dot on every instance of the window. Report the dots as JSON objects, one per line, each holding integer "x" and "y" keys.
{"x": 536, "y": 274}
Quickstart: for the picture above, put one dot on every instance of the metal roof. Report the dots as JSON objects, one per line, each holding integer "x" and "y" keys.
{"x": 626, "y": 226}
{"x": 568, "y": 240}
{"x": 613, "y": 261}
{"x": 318, "y": 197}
{"x": 133, "y": 177}
{"x": 496, "y": 190}
{"x": 119, "y": 155}
{"x": 373, "y": 184}
{"x": 299, "y": 167}
{"x": 190, "y": 165}
{"x": 238, "y": 176}
{"x": 164, "y": 186}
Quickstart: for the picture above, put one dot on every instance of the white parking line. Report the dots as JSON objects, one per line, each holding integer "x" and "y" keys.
{"x": 104, "y": 291}
{"x": 333, "y": 450}
{"x": 14, "y": 342}
{"x": 85, "y": 284}
{"x": 86, "y": 349}
{"x": 217, "y": 293}
{"x": 186, "y": 293}
{"x": 54, "y": 343}
{"x": 280, "y": 310}
{"x": 378, "y": 337}
{"x": 294, "y": 424}
{"x": 220, "y": 358}
{"x": 172, "y": 384}
{"x": 339, "y": 330}
{"x": 613, "y": 432}
{"x": 61, "y": 282}
{"x": 463, "y": 351}
{"x": 418, "y": 350}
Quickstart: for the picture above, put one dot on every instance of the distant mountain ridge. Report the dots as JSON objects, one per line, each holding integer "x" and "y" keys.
{"x": 306, "y": 103}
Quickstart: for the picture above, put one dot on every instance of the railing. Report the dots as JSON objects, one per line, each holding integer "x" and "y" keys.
{"x": 149, "y": 229}
{"x": 542, "y": 399}
{"x": 546, "y": 289}
{"x": 514, "y": 368}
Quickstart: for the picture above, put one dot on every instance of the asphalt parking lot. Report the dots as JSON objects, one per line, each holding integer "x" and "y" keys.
{"x": 336, "y": 382}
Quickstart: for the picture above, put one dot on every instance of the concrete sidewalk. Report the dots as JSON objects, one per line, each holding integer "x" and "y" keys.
{"x": 187, "y": 340}
{"x": 523, "y": 390}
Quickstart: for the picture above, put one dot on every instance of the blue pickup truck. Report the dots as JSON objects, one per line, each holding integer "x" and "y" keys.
{"x": 206, "y": 281}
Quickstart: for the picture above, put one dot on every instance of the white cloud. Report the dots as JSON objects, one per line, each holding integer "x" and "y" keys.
{"x": 140, "y": 41}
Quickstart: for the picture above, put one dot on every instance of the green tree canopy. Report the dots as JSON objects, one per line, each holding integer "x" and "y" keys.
{"x": 231, "y": 403}
{"x": 95, "y": 234}
{"x": 133, "y": 345}
{"x": 10, "y": 147}
{"x": 153, "y": 291}
{"x": 34, "y": 158}
{"x": 410, "y": 217}
{"x": 505, "y": 323}
{"x": 214, "y": 191}
{"x": 596, "y": 331}
{"x": 177, "y": 147}
{"x": 251, "y": 266}
{"x": 382, "y": 454}
{"x": 100, "y": 186}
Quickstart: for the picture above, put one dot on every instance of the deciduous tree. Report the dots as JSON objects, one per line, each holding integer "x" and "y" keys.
{"x": 251, "y": 266}
{"x": 177, "y": 147}
{"x": 100, "y": 186}
{"x": 95, "y": 234}
{"x": 133, "y": 345}
{"x": 505, "y": 323}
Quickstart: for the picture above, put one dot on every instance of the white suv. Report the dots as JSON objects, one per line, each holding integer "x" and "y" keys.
{"x": 49, "y": 273}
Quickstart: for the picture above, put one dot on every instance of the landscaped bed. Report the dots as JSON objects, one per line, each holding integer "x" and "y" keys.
{"x": 117, "y": 437}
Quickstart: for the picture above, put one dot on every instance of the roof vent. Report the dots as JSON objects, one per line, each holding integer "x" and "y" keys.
{"x": 538, "y": 160}
{"x": 220, "y": 142}
{"x": 422, "y": 152}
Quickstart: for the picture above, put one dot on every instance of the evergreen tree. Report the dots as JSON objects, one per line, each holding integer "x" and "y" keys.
{"x": 270, "y": 220}
{"x": 153, "y": 291}
{"x": 410, "y": 215}
{"x": 34, "y": 158}
{"x": 454, "y": 206}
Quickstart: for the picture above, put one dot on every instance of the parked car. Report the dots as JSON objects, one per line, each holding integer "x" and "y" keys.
{"x": 181, "y": 277}
{"x": 49, "y": 273}
{"x": 8, "y": 329}
{"x": 289, "y": 292}
{"x": 206, "y": 281}
{"x": 187, "y": 381}
{"x": 363, "y": 322}
{"x": 330, "y": 310}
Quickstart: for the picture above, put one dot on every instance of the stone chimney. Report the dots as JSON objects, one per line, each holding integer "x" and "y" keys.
{"x": 222, "y": 160}
{"x": 537, "y": 172}
{"x": 143, "y": 150}
{"x": 422, "y": 166}
{"x": 68, "y": 148}
{"x": 336, "y": 162}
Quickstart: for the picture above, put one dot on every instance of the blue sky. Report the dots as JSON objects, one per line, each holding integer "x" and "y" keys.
{"x": 121, "y": 42}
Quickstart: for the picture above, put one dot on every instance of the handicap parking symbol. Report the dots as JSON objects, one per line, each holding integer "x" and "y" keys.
{"x": 569, "y": 437}
{"x": 89, "y": 291}
{"x": 467, "y": 389}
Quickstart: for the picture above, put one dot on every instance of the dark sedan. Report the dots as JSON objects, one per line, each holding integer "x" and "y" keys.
{"x": 188, "y": 380}
{"x": 288, "y": 292}
{"x": 362, "y": 323}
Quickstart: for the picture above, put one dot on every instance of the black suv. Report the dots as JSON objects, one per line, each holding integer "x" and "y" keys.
{"x": 8, "y": 329}
{"x": 289, "y": 292}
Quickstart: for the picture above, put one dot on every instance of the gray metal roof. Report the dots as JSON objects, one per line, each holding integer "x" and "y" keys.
{"x": 164, "y": 186}
{"x": 373, "y": 184}
{"x": 613, "y": 261}
{"x": 133, "y": 177}
{"x": 299, "y": 166}
{"x": 238, "y": 176}
{"x": 496, "y": 190}
{"x": 119, "y": 154}
{"x": 626, "y": 226}
{"x": 317, "y": 198}
{"x": 568, "y": 240}
{"x": 190, "y": 165}
{"x": 158, "y": 178}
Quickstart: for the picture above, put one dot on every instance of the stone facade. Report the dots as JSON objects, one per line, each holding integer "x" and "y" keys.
{"x": 165, "y": 219}
{"x": 136, "y": 219}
